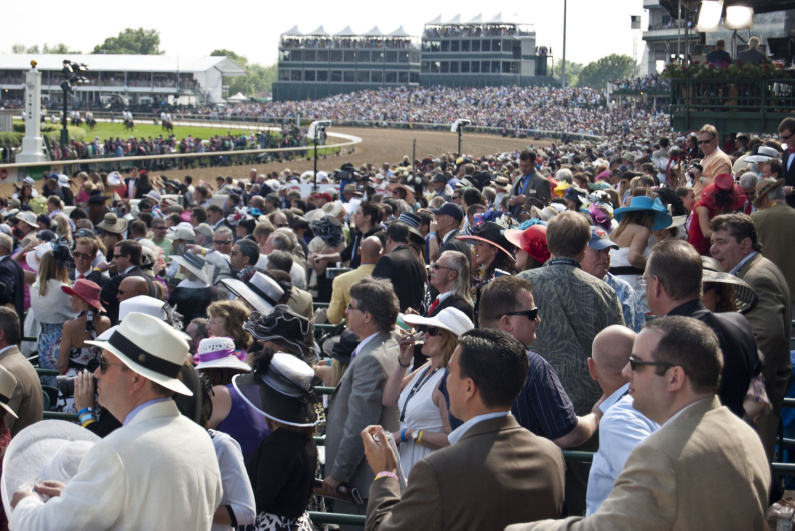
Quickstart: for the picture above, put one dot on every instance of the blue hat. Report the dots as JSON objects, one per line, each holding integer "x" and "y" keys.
{"x": 600, "y": 240}
{"x": 662, "y": 218}
{"x": 450, "y": 209}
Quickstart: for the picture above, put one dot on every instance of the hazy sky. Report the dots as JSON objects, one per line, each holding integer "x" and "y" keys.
{"x": 249, "y": 28}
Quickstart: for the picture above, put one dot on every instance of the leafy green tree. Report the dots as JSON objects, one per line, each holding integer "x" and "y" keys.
{"x": 18, "y": 48}
{"x": 572, "y": 72}
{"x": 59, "y": 48}
{"x": 132, "y": 42}
{"x": 610, "y": 68}
{"x": 260, "y": 78}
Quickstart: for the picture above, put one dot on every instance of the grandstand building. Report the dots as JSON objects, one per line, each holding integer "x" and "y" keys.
{"x": 453, "y": 53}
{"x": 128, "y": 79}
{"x": 316, "y": 64}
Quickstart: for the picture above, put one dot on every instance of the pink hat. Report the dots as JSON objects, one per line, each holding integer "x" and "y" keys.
{"x": 87, "y": 291}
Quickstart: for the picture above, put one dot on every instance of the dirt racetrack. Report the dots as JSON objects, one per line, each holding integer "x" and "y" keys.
{"x": 378, "y": 146}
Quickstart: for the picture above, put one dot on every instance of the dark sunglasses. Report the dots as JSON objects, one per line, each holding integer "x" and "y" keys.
{"x": 432, "y": 331}
{"x": 222, "y": 242}
{"x": 704, "y": 141}
{"x": 104, "y": 364}
{"x": 531, "y": 314}
{"x": 437, "y": 266}
{"x": 634, "y": 363}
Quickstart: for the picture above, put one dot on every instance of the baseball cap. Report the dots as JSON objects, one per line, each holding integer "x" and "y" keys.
{"x": 449, "y": 209}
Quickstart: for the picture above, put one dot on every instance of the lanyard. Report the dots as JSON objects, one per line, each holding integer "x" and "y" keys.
{"x": 562, "y": 260}
{"x": 417, "y": 387}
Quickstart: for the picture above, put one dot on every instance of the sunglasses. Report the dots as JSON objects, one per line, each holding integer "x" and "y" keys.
{"x": 432, "y": 331}
{"x": 104, "y": 364}
{"x": 222, "y": 242}
{"x": 82, "y": 255}
{"x": 705, "y": 141}
{"x": 785, "y": 137}
{"x": 531, "y": 314}
{"x": 634, "y": 363}
{"x": 437, "y": 266}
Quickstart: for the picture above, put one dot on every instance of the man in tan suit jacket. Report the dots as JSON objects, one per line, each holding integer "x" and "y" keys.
{"x": 673, "y": 479}
{"x": 27, "y": 398}
{"x": 735, "y": 246}
{"x": 494, "y": 472}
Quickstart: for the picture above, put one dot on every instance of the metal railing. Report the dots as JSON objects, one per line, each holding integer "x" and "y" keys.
{"x": 722, "y": 95}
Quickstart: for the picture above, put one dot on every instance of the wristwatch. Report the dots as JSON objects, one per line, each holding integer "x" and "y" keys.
{"x": 415, "y": 435}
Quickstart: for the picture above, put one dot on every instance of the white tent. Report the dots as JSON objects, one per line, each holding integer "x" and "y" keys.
{"x": 237, "y": 98}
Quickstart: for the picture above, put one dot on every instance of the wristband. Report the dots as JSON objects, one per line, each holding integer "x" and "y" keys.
{"x": 419, "y": 437}
{"x": 386, "y": 474}
{"x": 85, "y": 410}
{"x": 403, "y": 435}
{"x": 432, "y": 235}
{"x": 404, "y": 366}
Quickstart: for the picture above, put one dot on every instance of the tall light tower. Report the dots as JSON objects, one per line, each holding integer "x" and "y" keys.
{"x": 563, "y": 62}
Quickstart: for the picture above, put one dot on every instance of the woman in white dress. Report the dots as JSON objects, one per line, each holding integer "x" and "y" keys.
{"x": 422, "y": 427}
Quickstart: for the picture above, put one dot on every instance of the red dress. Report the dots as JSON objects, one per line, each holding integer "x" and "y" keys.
{"x": 695, "y": 237}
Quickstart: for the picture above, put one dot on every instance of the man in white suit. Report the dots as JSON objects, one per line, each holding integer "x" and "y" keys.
{"x": 158, "y": 471}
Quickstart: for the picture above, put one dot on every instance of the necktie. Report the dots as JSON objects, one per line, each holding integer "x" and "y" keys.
{"x": 434, "y": 305}
{"x": 81, "y": 276}
{"x": 747, "y": 208}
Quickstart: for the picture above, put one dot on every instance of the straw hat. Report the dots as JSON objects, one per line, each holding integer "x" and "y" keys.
{"x": 151, "y": 348}
{"x": 282, "y": 393}
{"x": 764, "y": 186}
{"x": 218, "y": 353}
{"x": 744, "y": 295}
{"x": 451, "y": 319}
{"x": 112, "y": 223}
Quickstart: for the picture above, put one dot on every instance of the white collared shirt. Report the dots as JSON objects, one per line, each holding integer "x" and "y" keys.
{"x": 676, "y": 415}
{"x": 460, "y": 431}
{"x": 361, "y": 345}
{"x": 742, "y": 262}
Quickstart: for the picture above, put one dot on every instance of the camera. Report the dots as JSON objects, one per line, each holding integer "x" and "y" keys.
{"x": 66, "y": 384}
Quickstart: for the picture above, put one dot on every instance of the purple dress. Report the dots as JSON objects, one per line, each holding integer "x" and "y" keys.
{"x": 244, "y": 424}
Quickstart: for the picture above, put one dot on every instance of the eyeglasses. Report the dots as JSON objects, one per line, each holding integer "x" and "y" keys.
{"x": 222, "y": 242}
{"x": 351, "y": 308}
{"x": 531, "y": 314}
{"x": 118, "y": 256}
{"x": 163, "y": 227}
{"x": 85, "y": 256}
{"x": 437, "y": 266}
{"x": 705, "y": 141}
{"x": 786, "y": 137}
{"x": 104, "y": 364}
{"x": 634, "y": 363}
{"x": 279, "y": 225}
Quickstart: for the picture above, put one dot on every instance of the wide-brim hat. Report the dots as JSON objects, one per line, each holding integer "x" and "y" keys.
{"x": 544, "y": 214}
{"x": 27, "y": 217}
{"x": 218, "y": 353}
{"x": 391, "y": 187}
{"x": 333, "y": 208}
{"x": 261, "y": 291}
{"x": 762, "y": 154}
{"x": 283, "y": 393}
{"x": 151, "y": 348}
{"x": 532, "y": 240}
{"x": 283, "y": 325}
{"x": 764, "y": 186}
{"x": 413, "y": 222}
{"x": 86, "y": 291}
{"x": 341, "y": 347}
{"x": 491, "y": 233}
{"x": 640, "y": 203}
{"x": 451, "y": 319}
{"x": 46, "y": 450}
{"x": 744, "y": 295}
{"x": 33, "y": 258}
{"x": 351, "y": 189}
{"x": 193, "y": 263}
{"x": 112, "y": 223}
{"x": 737, "y": 195}
{"x": 115, "y": 179}
{"x": 181, "y": 233}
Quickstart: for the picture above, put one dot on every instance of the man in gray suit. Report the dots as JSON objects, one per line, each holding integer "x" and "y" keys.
{"x": 356, "y": 402}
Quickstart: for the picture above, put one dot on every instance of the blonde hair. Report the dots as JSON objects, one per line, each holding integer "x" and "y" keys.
{"x": 234, "y": 315}
{"x": 49, "y": 269}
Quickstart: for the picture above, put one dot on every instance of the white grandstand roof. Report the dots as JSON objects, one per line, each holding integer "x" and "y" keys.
{"x": 293, "y": 32}
{"x": 347, "y": 32}
{"x": 375, "y": 32}
{"x": 477, "y": 20}
{"x": 124, "y": 63}
{"x": 319, "y": 32}
{"x": 436, "y": 21}
{"x": 455, "y": 20}
{"x": 400, "y": 32}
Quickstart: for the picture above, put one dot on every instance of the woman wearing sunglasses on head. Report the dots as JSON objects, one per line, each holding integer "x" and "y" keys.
{"x": 422, "y": 426}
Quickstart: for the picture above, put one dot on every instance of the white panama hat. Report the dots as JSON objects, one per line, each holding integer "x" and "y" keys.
{"x": 151, "y": 348}
{"x": 218, "y": 353}
{"x": 451, "y": 319}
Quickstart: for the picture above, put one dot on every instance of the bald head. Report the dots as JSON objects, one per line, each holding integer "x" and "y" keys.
{"x": 132, "y": 287}
{"x": 610, "y": 354}
{"x": 371, "y": 250}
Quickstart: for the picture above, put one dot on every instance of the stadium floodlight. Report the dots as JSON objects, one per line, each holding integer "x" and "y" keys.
{"x": 739, "y": 17}
{"x": 709, "y": 16}
{"x": 315, "y": 128}
{"x": 458, "y": 127}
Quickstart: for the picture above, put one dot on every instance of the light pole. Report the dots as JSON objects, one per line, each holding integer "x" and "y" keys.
{"x": 563, "y": 62}
{"x": 70, "y": 78}
{"x": 458, "y": 127}
{"x": 314, "y": 131}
